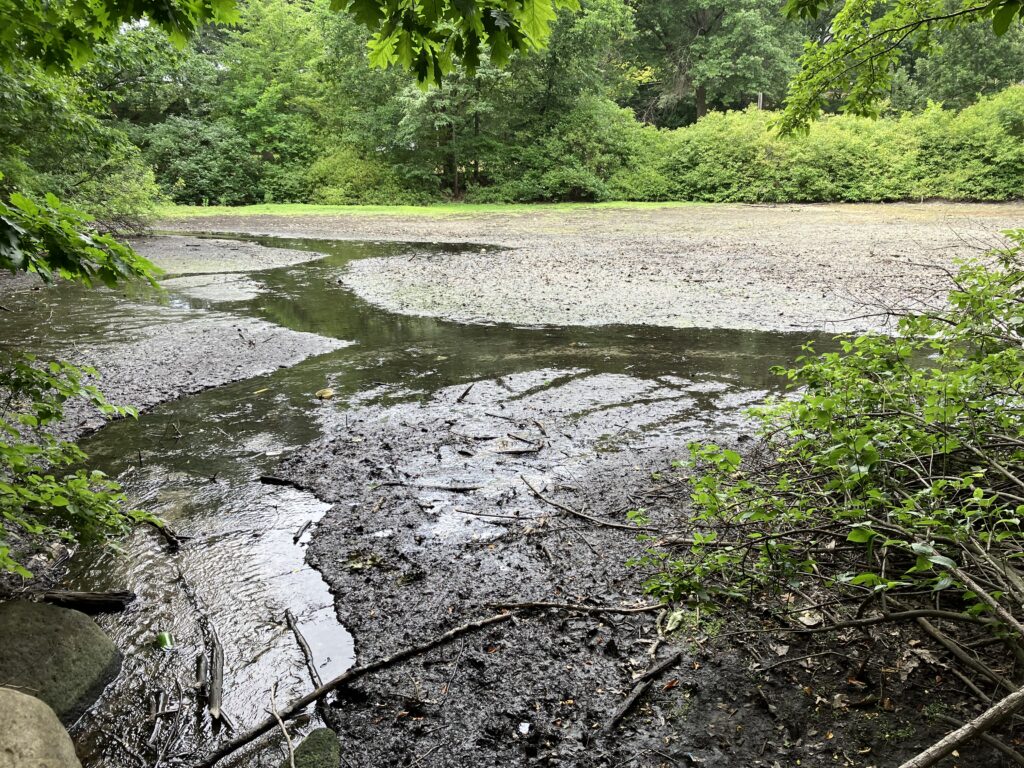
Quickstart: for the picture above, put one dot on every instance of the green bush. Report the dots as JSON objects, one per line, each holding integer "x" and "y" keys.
{"x": 203, "y": 163}
{"x": 976, "y": 154}
{"x": 597, "y": 151}
{"x": 122, "y": 193}
{"x": 345, "y": 178}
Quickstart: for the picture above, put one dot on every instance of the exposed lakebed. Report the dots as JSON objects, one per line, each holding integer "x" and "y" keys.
{"x": 416, "y": 475}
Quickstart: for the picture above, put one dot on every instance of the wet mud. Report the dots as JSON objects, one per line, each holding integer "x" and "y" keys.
{"x": 457, "y": 468}
{"x": 516, "y": 490}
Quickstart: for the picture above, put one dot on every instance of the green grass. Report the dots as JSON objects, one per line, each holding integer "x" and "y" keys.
{"x": 167, "y": 212}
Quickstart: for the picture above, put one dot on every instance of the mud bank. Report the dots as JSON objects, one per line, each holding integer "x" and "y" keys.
{"x": 438, "y": 519}
{"x": 150, "y": 349}
{"x": 824, "y": 267}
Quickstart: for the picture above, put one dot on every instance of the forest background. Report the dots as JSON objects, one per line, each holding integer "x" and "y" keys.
{"x": 631, "y": 100}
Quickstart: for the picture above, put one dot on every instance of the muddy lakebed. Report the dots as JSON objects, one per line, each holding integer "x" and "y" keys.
{"x": 442, "y": 480}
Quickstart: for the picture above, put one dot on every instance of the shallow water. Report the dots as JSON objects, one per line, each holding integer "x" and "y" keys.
{"x": 197, "y": 462}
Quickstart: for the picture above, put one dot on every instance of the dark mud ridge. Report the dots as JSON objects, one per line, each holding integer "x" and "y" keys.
{"x": 437, "y": 521}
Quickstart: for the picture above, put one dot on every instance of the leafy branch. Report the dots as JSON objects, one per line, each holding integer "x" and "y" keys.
{"x": 889, "y": 487}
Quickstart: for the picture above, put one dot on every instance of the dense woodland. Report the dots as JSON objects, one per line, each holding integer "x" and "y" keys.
{"x": 632, "y": 99}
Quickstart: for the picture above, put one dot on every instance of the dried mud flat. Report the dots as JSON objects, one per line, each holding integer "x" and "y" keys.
{"x": 792, "y": 267}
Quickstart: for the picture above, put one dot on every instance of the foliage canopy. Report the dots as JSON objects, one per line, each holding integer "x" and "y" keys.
{"x": 866, "y": 41}
{"x": 430, "y": 37}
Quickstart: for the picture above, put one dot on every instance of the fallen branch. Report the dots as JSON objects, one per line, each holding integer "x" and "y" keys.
{"x": 280, "y": 722}
{"x": 992, "y": 741}
{"x": 870, "y": 621}
{"x": 216, "y": 698}
{"x": 976, "y": 727}
{"x": 541, "y": 605}
{"x": 639, "y": 689}
{"x": 304, "y": 647}
{"x": 172, "y": 539}
{"x": 344, "y": 679}
{"x": 302, "y": 529}
{"x": 584, "y": 515}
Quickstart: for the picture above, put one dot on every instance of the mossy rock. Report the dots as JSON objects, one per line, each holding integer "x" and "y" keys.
{"x": 318, "y": 750}
{"x": 55, "y": 654}
{"x": 31, "y": 734}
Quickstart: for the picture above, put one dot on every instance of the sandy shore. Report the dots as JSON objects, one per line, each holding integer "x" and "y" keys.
{"x": 788, "y": 268}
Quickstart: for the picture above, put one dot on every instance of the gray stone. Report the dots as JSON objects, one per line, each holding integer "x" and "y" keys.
{"x": 31, "y": 736}
{"x": 318, "y": 750}
{"x": 55, "y": 654}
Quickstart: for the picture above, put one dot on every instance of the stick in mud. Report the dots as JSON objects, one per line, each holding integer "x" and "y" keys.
{"x": 542, "y": 605}
{"x": 639, "y": 689}
{"x": 302, "y": 530}
{"x": 216, "y": 698}
{"x": 465, "y": 393}
{"x": 584, "y": 515}
{"x": 344, "y": 679}
{"x": 304, "y": 647}
{"x": 172, "y": 539}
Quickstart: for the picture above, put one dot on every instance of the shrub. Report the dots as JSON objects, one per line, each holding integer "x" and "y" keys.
{"x": 597, "y": 151}
{"x": 345, "y": 178}
{"x": 200, "y": 163}
{"x": 894, "y": 478}
{"x": 976, "y": 154}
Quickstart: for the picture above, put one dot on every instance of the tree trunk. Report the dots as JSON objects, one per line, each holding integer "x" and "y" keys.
{"x": 454, "y": 162}
{"x": 701, "y": 95}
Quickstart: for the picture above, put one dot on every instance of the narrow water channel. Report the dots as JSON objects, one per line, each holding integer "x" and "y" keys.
{"x": 197, "y": 462}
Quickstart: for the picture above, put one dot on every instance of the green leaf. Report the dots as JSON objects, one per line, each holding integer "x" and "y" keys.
{"x": 861, "y": 535}
{"x": 1004, "y": 17}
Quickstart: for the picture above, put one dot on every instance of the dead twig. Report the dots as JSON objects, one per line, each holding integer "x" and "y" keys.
{"x": 293, "y": 624}
{"x": 302, "y": 529}
{"x": 989, "y": 739}
{"x": 541, "y": 605}
{"x": 287, "y": 738}
{"x": 584, "y": 515}
{"x": 639, "y": 689}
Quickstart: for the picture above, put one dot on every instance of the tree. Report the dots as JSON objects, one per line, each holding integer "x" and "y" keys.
{"x": 854, "y": 65}
{"x": 966, "y": 62}
{"x": 711, "y": 51}
{"x": 271, "y": 90}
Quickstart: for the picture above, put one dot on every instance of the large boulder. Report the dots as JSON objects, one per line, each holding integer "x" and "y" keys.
{"x": 31, "y": 734}
{"x": 318, "y": 750}
{"x": 55, "y": 654}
